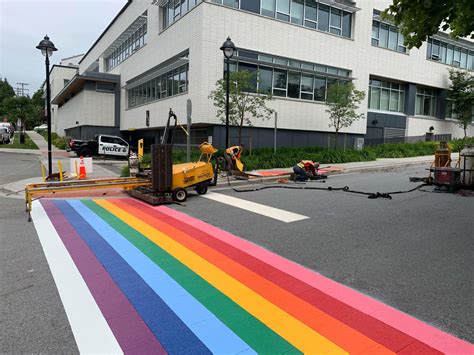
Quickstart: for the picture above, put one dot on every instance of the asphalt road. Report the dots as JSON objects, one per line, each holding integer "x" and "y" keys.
{"x": 414, "y": 252}
{"x": 32, "y": 318}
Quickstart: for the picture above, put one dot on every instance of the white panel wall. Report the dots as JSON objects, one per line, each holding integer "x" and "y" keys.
{"x": 98, "y": 109}
{"x": 72, "y": 111}
{"x": 417, "y": 126}
{"x": 57, "y": 77}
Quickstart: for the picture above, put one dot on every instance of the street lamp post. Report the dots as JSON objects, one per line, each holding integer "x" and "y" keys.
{"x": 228, "y": 48}
{"x": 47, "y": 48}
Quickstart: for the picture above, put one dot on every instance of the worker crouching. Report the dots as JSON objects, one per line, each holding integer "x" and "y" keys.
{"x": 306, "y": 169}
{"x": 232, "y": 157}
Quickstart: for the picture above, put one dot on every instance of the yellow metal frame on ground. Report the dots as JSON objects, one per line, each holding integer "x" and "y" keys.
{"x": 32, "y": 190}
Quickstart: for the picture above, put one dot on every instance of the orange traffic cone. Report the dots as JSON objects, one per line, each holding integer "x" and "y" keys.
{"x": 82, "y": 170}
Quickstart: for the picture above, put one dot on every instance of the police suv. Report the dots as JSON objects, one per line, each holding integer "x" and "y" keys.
{"x": 103, "y": 145}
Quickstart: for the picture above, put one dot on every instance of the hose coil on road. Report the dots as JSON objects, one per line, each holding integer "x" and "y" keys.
{"x": 370, "y": 195}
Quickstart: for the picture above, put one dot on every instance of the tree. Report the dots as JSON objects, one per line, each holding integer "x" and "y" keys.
{"x": 462, "y": 94}
{"x": 244, "y": 106}
{"x": 21, "y": 107}
{"x": 6, "y": 90}
{"x": 38, "y": 99}
{"x": 342, "y": 101}
{"x": 419, "y": 19}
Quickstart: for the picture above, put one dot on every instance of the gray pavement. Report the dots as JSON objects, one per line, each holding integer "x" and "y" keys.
{"x": 32, "y": 317}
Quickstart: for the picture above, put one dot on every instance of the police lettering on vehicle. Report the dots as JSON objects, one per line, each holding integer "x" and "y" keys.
{"x": 115, "y": 149}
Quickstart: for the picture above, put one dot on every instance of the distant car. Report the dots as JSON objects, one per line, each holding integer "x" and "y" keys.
{"x": 41, "y": 128}
{"x": 9, "y": 127}
{"x": 4, "y": 135}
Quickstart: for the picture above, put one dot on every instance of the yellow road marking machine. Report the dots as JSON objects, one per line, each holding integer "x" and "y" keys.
{"x": 169, "y": 182}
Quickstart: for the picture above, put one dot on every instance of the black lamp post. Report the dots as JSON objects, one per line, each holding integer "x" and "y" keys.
{"x": 47, "y": 48}
{"x": 228, "y": 48}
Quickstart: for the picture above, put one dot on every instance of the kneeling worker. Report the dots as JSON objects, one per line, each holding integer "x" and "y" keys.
{"x": 305, "y": 169}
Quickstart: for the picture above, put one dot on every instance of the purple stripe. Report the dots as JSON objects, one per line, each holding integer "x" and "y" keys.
{"x": 128, "y": 327}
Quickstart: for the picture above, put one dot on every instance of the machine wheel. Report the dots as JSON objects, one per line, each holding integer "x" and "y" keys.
{"x": 85, "y": 152}
{"x": 201, "y": 189}
{"x": 179, "y": 195}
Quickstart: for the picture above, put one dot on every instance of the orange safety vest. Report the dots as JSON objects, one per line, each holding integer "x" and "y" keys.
{"x": 234, "y": 151}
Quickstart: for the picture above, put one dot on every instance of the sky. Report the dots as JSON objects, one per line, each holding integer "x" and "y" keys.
{"x": 72, "y": 25}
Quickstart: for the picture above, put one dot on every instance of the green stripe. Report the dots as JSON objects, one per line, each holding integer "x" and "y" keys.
{"x": 255, "y": 333}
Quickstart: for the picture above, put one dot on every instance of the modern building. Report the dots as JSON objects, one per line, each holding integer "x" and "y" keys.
{"x": 162, "y": 54}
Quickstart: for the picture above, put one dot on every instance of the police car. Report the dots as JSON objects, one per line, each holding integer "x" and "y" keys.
{"x": 104, "y": 144}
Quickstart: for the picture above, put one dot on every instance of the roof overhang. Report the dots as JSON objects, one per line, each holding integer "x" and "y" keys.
{"x": 77, "y": 84}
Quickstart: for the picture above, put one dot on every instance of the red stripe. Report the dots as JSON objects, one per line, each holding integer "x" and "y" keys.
{"x": 378, "y": 331}
{"x": 120, "y": 315}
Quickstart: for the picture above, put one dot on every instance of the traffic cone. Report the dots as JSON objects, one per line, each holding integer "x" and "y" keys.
{"x": 82, "y": 170}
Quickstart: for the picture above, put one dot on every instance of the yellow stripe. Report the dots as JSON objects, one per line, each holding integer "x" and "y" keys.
{"x": 294, "y": 331}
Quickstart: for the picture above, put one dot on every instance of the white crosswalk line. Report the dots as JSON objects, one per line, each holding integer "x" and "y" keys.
{"x": 90, "y": 329}
{"x": 271, "y": 212}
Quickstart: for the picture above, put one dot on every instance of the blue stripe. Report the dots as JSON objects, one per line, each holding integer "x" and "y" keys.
{"x": 171, "y": 332}
{"x": 213, "y": 333}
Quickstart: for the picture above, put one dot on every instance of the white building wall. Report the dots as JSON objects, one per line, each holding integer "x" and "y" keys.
{"x": 87, "y": 108}
{"x": 57, "y": 77}
{"x": 72, "y": 111}
{"x": 204, "y": 29}
{"x": 417, "y": 126}
{"x": 98, "y": 109}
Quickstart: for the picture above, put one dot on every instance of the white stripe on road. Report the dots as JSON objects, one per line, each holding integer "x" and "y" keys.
{"x": 264, "y": 210}
{"x": 90, "y": 329}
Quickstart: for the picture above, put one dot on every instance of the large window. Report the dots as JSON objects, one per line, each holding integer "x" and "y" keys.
{"x": 168, "y": 84}
{"x": 425, "y": 104}
{"x": 307, "y": 13}
{"x": 386, "y": 35}
{"x": 127, "y": 47}
{"x": 450, "y": 54}
{"x": 386, "y": 95}
{"x": 450, "y": 107}
{"x": 284, "y": 77}
{"x": 172, "y": 10}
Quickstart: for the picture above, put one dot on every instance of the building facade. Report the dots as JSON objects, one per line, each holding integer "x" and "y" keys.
{"x": 162, "y": 54}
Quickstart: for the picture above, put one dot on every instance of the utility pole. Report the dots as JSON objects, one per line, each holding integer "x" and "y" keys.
{"x": 21, "y": 91}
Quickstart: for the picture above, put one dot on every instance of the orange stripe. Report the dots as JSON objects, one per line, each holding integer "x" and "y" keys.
{"x": 329, "y": 327}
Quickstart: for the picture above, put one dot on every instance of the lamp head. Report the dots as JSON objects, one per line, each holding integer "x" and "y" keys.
{"x": 46, "y": 46}
{"x": 228, "y": 48}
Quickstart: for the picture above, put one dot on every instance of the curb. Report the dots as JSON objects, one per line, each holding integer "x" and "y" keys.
{"x": 20, "y": 151}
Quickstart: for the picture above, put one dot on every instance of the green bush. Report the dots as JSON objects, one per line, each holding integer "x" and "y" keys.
{"x": 263, "y": 158}
{"x": 457, "y": 145}
{"x": 125, "y": 171}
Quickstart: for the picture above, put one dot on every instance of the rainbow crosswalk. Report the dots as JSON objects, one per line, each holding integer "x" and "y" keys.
{"x": 140, "y": 279}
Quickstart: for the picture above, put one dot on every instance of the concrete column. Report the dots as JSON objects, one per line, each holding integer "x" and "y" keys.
{"x": 410, "y": 97}
{"x": 101, "y": 65}
{"x": 441, "y": 102}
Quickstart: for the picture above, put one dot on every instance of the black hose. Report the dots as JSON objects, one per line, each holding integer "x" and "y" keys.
{"x": 370, "y": 195}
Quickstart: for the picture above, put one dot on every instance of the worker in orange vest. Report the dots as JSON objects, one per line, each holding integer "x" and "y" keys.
{"x": 306, "y": 169}
{"x": 232, "y": 157}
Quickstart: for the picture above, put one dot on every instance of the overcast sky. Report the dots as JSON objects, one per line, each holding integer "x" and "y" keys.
{"x": 72, "y": 25}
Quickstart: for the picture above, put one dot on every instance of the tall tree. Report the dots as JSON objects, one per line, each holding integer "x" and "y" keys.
{"x": 6, "y": 90}
{"x": 21, "y": 107}
{"x": 38, "y": 99}
{"x": 419, "y": 19}
{"x": 244, "y": 106}
{"x": 342, "y": 102}
{"x": 462, "y": 94}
